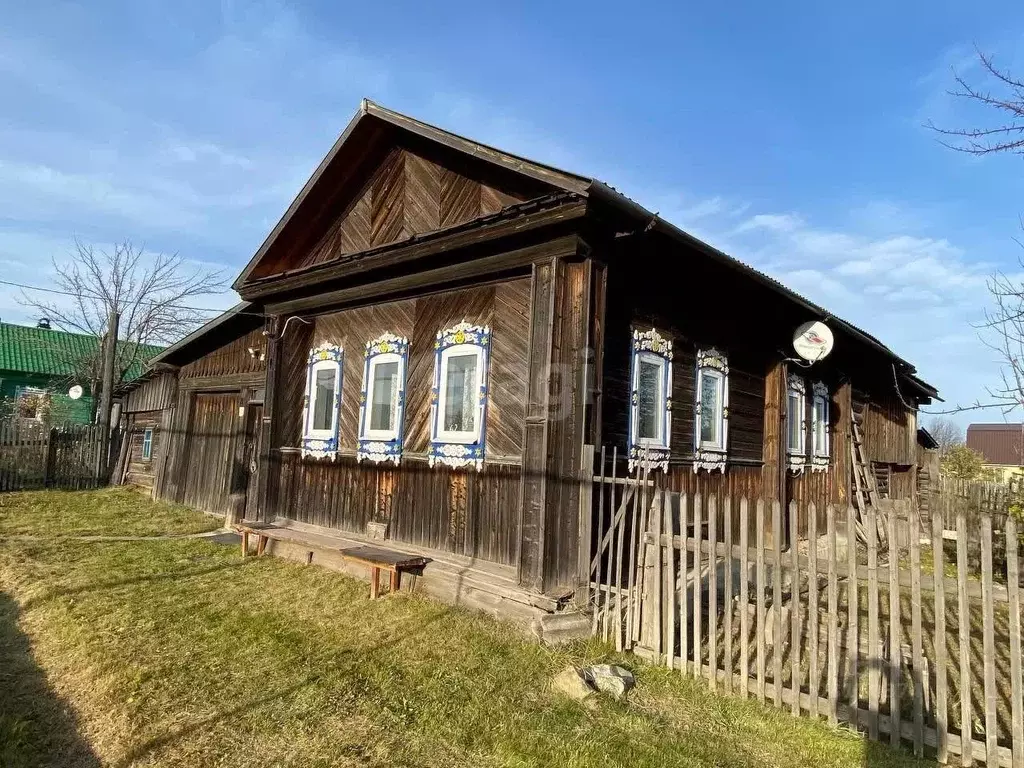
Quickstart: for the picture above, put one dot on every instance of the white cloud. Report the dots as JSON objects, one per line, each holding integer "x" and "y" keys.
{"x": 773, "y": 222}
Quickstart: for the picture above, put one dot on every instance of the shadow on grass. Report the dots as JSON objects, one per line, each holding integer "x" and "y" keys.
{"x": 37, "y": 727}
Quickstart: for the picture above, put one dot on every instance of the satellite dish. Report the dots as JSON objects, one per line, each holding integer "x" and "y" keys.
{"x": 76, "y": 392}
{"x": 813, "y": 341}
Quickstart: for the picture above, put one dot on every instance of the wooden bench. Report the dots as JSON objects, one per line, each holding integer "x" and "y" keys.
{"x": 262, "y": 533}
{"x": 378, "y": 560}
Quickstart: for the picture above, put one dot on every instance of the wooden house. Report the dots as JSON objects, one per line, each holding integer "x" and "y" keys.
{"x": 453, "y": 331}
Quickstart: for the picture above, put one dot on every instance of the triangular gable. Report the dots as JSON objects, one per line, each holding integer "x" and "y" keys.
{"x": 389, "y": 177}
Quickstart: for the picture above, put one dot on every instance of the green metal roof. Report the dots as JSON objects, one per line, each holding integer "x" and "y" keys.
{"x": 53, "y": 353}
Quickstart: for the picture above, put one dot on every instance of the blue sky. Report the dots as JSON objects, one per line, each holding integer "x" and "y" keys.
{"x": 788, "y": 134}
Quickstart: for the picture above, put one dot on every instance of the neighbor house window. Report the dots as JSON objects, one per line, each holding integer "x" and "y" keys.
{"x": 650, "y": 414}
{"x": 147, "y": 445}
{"x": 382, "y": 404}
{"x": 711, "y": 423}
{"x": 32, "y": 402}
{"x": 322, "y": 401}
{"x": 796, "y": 423}
{"x": 459, "y": 396}
{"x": 820, "y": 442}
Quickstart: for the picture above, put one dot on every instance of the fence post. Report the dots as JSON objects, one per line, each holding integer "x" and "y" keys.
{"x": 51, "y": 455}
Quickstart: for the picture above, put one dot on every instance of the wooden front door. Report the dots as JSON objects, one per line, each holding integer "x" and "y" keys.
{"x": 251, "y": 469}
{"x": 211, "y": 455}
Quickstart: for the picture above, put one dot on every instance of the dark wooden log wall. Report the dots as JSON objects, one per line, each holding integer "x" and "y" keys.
{"x": 416, "y": 188}
{"x": 142, "y": 472}
{"x": 232, "y": 358}
{"x": 890, "y": 430}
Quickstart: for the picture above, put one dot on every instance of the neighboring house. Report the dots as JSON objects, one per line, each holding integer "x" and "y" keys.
{"x": 449, "y": 329}
{"x": 38, "y": 365}
{"x": 1001, "y": 445}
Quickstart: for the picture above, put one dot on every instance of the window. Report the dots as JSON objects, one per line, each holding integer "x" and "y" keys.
{"x": 382, "y": 404}
{"x": 650, "y": 415}
{"x": 459, "y": 397}
{"x": 147, "y": 445}
{"x": 323, "y": 398}
{"x": 711, "y": 423}
{"x": 32, "y": 402}
{"x": 796, "y": 423}
{"x": 820, "y": 427}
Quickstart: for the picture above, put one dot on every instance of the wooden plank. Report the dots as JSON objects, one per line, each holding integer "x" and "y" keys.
{"x": 698, "y": 616}
{"x": 598, "y": 598}
{"x": 684, "y": 593}
{"x": 874, "y": 659}
{"x": 964, "y": 614}
{"x": 794, "y": 608}
{"x": 634, "y": 556}
{"x": 777, "y": 600}
{"x": 895, "y": 643}
{"x": 669, "y": 619}
{"x": 620, "y": 536}
{"x": 916, "y": 642}
{"x": 988, "y": 641}
{"x": 586, "y": 520}
{"x": 654, "y": 605}
{"x": 813, "y": 621}
{"x": 939, "y": 639}
{"x": 728, "y": 601}
{"x": 833, "y": 617}
{"x": 744, "y": 596}
{"x": 713, "y": 592}
{"x": 1013, "y": 586}
{"x": 759, "y": 638}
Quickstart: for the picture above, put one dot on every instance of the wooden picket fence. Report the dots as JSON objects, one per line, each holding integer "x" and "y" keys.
{"x": 34, "y": 456}
{"x": 905, "y": 639}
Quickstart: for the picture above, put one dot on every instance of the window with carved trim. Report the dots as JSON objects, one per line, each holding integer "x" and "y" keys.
{"x": 322, "y": 402}
{"x": 820, "y": 426}
{"x": 650, "y": 413}
{"x": 711, "y": 425}
{"x": 796, "y": 423}
{"x": 459, "y": 397}
{"x": 382, "y": 404}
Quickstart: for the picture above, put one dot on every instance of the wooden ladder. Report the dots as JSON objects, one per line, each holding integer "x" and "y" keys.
{"x": 865, "y": 486}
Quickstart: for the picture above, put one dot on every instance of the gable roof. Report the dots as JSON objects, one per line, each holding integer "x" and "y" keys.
{"x": 998, "y": 443}
{"x": 583, "y": 186}
{"x": 233, "y": 322}
{"x": 51, "y": 352}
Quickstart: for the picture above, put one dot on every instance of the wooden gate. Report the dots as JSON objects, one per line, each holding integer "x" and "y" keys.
{"x": 34, "y": 456}
{"x": 210, "y": 452}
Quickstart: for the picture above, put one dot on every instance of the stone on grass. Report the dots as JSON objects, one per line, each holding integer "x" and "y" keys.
{"x": 571, "y": 683}
{"x": 610, "y": 679}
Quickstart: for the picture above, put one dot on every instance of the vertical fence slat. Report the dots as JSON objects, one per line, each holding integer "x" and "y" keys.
{"x": 874, "y": 658}
{"x": 713, "y": 592}
{"x": 653, "y": 618}
{"x": 727, "y": 602}
{"x": 939, "y": 661}
{"x": 963, "y": 617}
{"x": 1013, "y": 593}
{"x": 759, "y": 636}
{"x": 744, "y": 597}
{"x": 619, "y": 552}
{"x": 698, "y": 559}
{"x": 670, "y": 581}
{"x": 794, "y": 609}
{"x": 684, "y": 578}
{"x": 600, "y": 598}
{"x": 777, "y": 600}
{"x": 853, "y": 615}
{"x": 895, "y": 641}
{"x": 920, "y": 674}
{"x": 988, "y": 642}
{"x": 813, "y": 623}
{"x": 833, "y": 617}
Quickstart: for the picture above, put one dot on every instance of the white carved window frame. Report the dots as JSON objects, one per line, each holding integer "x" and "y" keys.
{"x": 821, "y": 438}
{"x": 381, "y": 445}
{"x": 796, "y": 389}
{"x": 459, "y": 448}
{"x": 651, "y": 347}
{"x": 320, "y": 443}
{"x": 708, "y": 454}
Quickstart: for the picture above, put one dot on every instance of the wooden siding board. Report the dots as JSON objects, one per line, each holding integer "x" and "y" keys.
{"x": 459, "y": 198}
{"x": 422, "y": 194}
{"x": 387, "y": 214}
{"x": 229, "y": 359}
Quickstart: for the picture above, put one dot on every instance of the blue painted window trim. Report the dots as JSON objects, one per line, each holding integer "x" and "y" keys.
{"x": 320, "y": 444}
{"x": 443, "y": 450}
{"x": 374, "y": 448}
{"x": 655, "y": 453}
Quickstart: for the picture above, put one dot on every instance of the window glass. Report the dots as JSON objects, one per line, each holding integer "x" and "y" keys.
{"x": 710, "y": 408}
{"x": 382, "y": 401}
{"x": 820, "y": 426}
{"x": 650, "y": 400}
{"x": 147, "y": 444}
{"x": 460, "y": 393}
{"x": 323, "y": 398}
{"x": 795, "y": 422}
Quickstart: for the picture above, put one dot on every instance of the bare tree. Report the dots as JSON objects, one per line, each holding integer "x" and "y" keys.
{"x": 946, "y": 432}
{"x": 150, "y": 292}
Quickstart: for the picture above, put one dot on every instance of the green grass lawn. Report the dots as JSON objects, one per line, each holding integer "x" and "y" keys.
{"x": 178, "y": 653}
